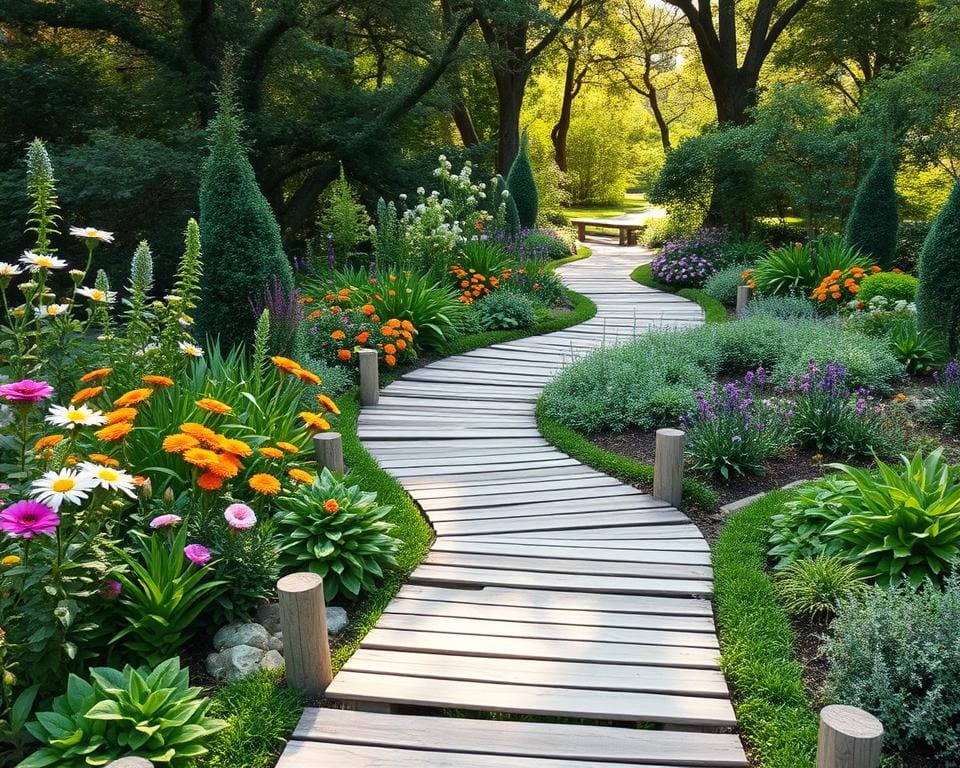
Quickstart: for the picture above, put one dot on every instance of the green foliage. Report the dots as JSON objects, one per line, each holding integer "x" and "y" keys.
{"x": 938, "y": 294}
{"x": 546, "y": 245}
{"x": 485, "y": 257}
{"x": 816, "y": 587}
{"x": 41, "y": 189}
{"x": 916, "y": 349}
{"x": 138, "y": 289}
{"x": 240, "y": 236}
{"x": 893, "y": 652}
{"x": 260, "y": 716}
{"x": 343, "y": 219}
{"x": 162, "y": 596}
{"x": 782, "y": 307}
{"x": 389, "y": 243}
{"x": 945, "y": 408}
{"x": 797, "y": 269}
{"x": 149, "y": 713}
{"x": 522, "y": 185}
{"x": 432, "y": 307}
{"x": 339, "y": 532}
{"x": 505, "y": 310}
{"x": 872, "y": 226}
{"x": 893, "y": 286}
{"x": 723, "y": 285}
{"x": 600, "y": 151}
{"x": 505, "y": 211}
{"x": 758, "y": 659}
{"x": 900, "y": 522}
{"x": 912, "y": 235}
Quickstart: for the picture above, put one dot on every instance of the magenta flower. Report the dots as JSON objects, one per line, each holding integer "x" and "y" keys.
{"x": 26, "y": 391}
{"x": 197, "y": 554}
{"x": 110, "y": 589}
{"x": 163, "y": 521}
{"x": 240, "y": 517}
{"x": 26, "y": 519}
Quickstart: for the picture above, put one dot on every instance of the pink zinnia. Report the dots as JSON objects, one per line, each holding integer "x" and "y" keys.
{"x": 111, "y": 589}
{"x": 26, "y": 519}
{"x": 162, "y": 521}
{"x": 26, "y": 391}
{"x": 240, "y": 517}
{"x": 197, "y": 554}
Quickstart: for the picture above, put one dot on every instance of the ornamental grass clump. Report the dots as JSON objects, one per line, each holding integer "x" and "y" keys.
{"x": 689, "y": 261}
{"x": 945, "y": 408}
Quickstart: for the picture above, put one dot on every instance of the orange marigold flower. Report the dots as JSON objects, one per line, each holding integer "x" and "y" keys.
{"x": 387, "y": 331}
{"x": 102, "y": 458}
{"x": 201, "y": 457}
{"x": 115, "y": 432}
{"x": 875, "y": 268}
{"x": 133, "y": 397}
{"x": 86, "y": 394}
{"x": 210, "y": 481}
{"x": 394, "y": 323}
{"x": 121, "y": 414}
{"x": 285, "y": 364}
{"x": 390, "y": 349}
{"x": 344, "y": 354}
{"x": 179, "y": 443}
{"x": 288, "y": 447}
{"x": 139, "y": 480}
{"x": 464, "y": 283}
{"x": 234, "y": 446}
{"x": 308, "y": 376}
{"x": 328, "y": 404}
{"x": 335, "y": 310}
{"x": 47, "y": 442}
{"x": 300, "y": 475}
{"x": 224, "y": 466}
{"x": 368, "y": 309}
{"x": 315, "y": 314}
{"x": 331, "y": 506}
{"x": 265, "y": 484}
{"x": 401, "y": 344}
{"x": 202, "y": 433}
{"x": 315, "y": 420}
{"x": 214, "y": 406}
{"x": 271, "y": 453}
{"x": 337, "y": 334}
{"x": 390, "y": 360}
{"x": 97, "y": 374}
{"x": 158, "y": 381}
{"x": 363, "y": 337}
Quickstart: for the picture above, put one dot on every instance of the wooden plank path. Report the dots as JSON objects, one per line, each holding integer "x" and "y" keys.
{"x": 552, "y": 590}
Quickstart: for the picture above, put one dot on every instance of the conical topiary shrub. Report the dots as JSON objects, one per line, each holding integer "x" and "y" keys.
{"x": 938, "y": 294}
{"x": 240, "y": 236}
{"x": 522, "y": 185}
{"x": 873, "y": 224}
{"x": 508, "y": 219}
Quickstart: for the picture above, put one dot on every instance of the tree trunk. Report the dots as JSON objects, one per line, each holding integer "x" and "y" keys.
{"x": 735, "y": 93}
{"x": 511, "y": 86}
{"x": 464, "y": 123}
{"x": 559, "y": 133}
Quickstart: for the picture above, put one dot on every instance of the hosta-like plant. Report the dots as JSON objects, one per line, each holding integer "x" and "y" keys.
{"x": 147, "y": 713}
{"x": 337, "y": 531}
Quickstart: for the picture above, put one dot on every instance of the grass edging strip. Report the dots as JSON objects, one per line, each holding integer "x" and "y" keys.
{"x": 756, "y": 644}
{"x": 713, "y": 310}
{"x": 624, "y": 469}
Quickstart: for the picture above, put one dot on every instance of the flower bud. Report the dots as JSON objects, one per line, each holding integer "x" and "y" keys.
{"x": 168, "y": 496}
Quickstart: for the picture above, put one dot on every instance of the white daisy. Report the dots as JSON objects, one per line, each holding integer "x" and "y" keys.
{"x": 73, "y": 416}
{"x": 190, "y": 350}
{"x": 51, "y": 310}
{"x": 186, "y": 321}
{"x": 95, "y": 294}
{"x": 109, "y": 478}
{"x": 9, "y": 270}
{"x": 54, "y": 487}
{"x": 37, "y": 261}
{"x": 92, "y": 233}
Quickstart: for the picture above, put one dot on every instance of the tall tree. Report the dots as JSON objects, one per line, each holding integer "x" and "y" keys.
{"x": 716, "y": 27}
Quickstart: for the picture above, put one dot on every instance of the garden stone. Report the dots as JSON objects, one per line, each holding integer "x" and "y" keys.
{"x": 271, "y": 660}
{"x": 336, "y": 620}
{"x": 241, "y": 634}
{"x": 269, "y": 616}
{"x": 276, "y": 642}
{"x": 235, "y": 663}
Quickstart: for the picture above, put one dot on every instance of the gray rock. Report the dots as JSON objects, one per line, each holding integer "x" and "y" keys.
{"x": 275, "y": 643}
{"x": 269, "y": 616}
{"x": 336, "y": 620}
{"x": 234, "y": 663}
{"x": 271, "y": 660}
{"x": 233, "y": 635}
{"x": 217, "y": 665}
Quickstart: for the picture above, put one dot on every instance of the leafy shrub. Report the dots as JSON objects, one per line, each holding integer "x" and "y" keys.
{"x": 338, "y": 532}
{"x": 798, "y": 269}
{"x": 916, "y": 349}
{"x": 893, "y": 286}
{"x": 878, "y": 316}
{"x": 938, "y": 293}
{"x": 722, "y": 285}
{"x": 662, "y": 229}
{"x": 522, "y": 185}
{"x": 777, "y": 233}
{"x": 815, "y": 587}
{"x": 743, "y": 250}
{"x": 688, "y": 261}
{"x": 829, "y": 417}
{"x": 389, "y": 241}
{"x": 343, "y": 219}
{"x": 872, "y": 226}
{"x": 150, "y": 713}
{"x": 797, "y": 529}
{"x": 910, "y": 241}
{"x": 945, "y": 408}
{"x": 781, "y": 307}
{"x": 538, "y": 282}
{"x": 430, "y": 306}
{"x": 486, "y": 257}
{"x": 894, "y": 653}
{"x": 545, "y": 245}
{"x": 504, "y": 310}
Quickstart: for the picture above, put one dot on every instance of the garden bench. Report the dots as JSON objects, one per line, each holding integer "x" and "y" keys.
{"x": 627, "y": 230}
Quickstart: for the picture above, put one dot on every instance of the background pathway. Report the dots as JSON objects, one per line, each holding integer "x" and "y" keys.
{"x": 551, "y": 590}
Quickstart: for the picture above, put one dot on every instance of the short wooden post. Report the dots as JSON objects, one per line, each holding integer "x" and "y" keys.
{"x": 303, "y": 619}
{"x": 130, "y": 762}
{"x": 329, "y": 449}
{"x": 849, "y": 738}
{"x": 743, "y": 298}
{"x": 668, "y": 466}
{"x": 369, "y": 377}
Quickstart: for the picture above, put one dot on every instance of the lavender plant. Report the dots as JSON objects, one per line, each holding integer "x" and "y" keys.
{"x": 945, "y": 408}
{"x": 690, "y": 260}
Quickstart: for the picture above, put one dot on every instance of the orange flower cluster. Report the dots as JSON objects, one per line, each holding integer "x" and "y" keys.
{"x": 474, "y": 285}
{"x": 748, "y": 279}
{"x": 840, "y": 285}
{"x": 286, "y": 365}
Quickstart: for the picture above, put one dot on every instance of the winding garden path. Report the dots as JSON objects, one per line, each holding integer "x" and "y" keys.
{"x": 552, "y": 590}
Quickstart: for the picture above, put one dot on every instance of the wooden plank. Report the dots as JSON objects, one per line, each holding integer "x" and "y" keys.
{"x": 630, "y": 568}
{"x": 542, "y": 740}
{"x": 626, "y": 533}
{"x": 424, "y": 472}
{"x": 699, "y": 556}
{"x": 531, "y": 496}
{"x": 596, "y": 480}
{"x": 456, "y": 459}
{"x": 644, "y": 506}
{"x": 558, "y": 522}
{"x": 557, "y": 702}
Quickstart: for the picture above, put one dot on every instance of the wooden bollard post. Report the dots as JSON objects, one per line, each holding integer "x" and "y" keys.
{"x": 743, "y": 298}
{"x": 668, "y": 466}
{"x": 369, "y": 377}
{"x": 329, "y": 449}
{"x": 849, "y": 738}
{"x": 303, "y": 619}
{"x": 130, "y": 762}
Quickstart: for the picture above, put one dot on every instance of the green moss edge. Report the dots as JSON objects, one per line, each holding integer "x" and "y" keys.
{"x": 713, "y": 310}
{"x": 775, "y": 716}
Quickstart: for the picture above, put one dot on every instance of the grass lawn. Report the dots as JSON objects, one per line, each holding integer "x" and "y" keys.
{"x": 633, "y": 202}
